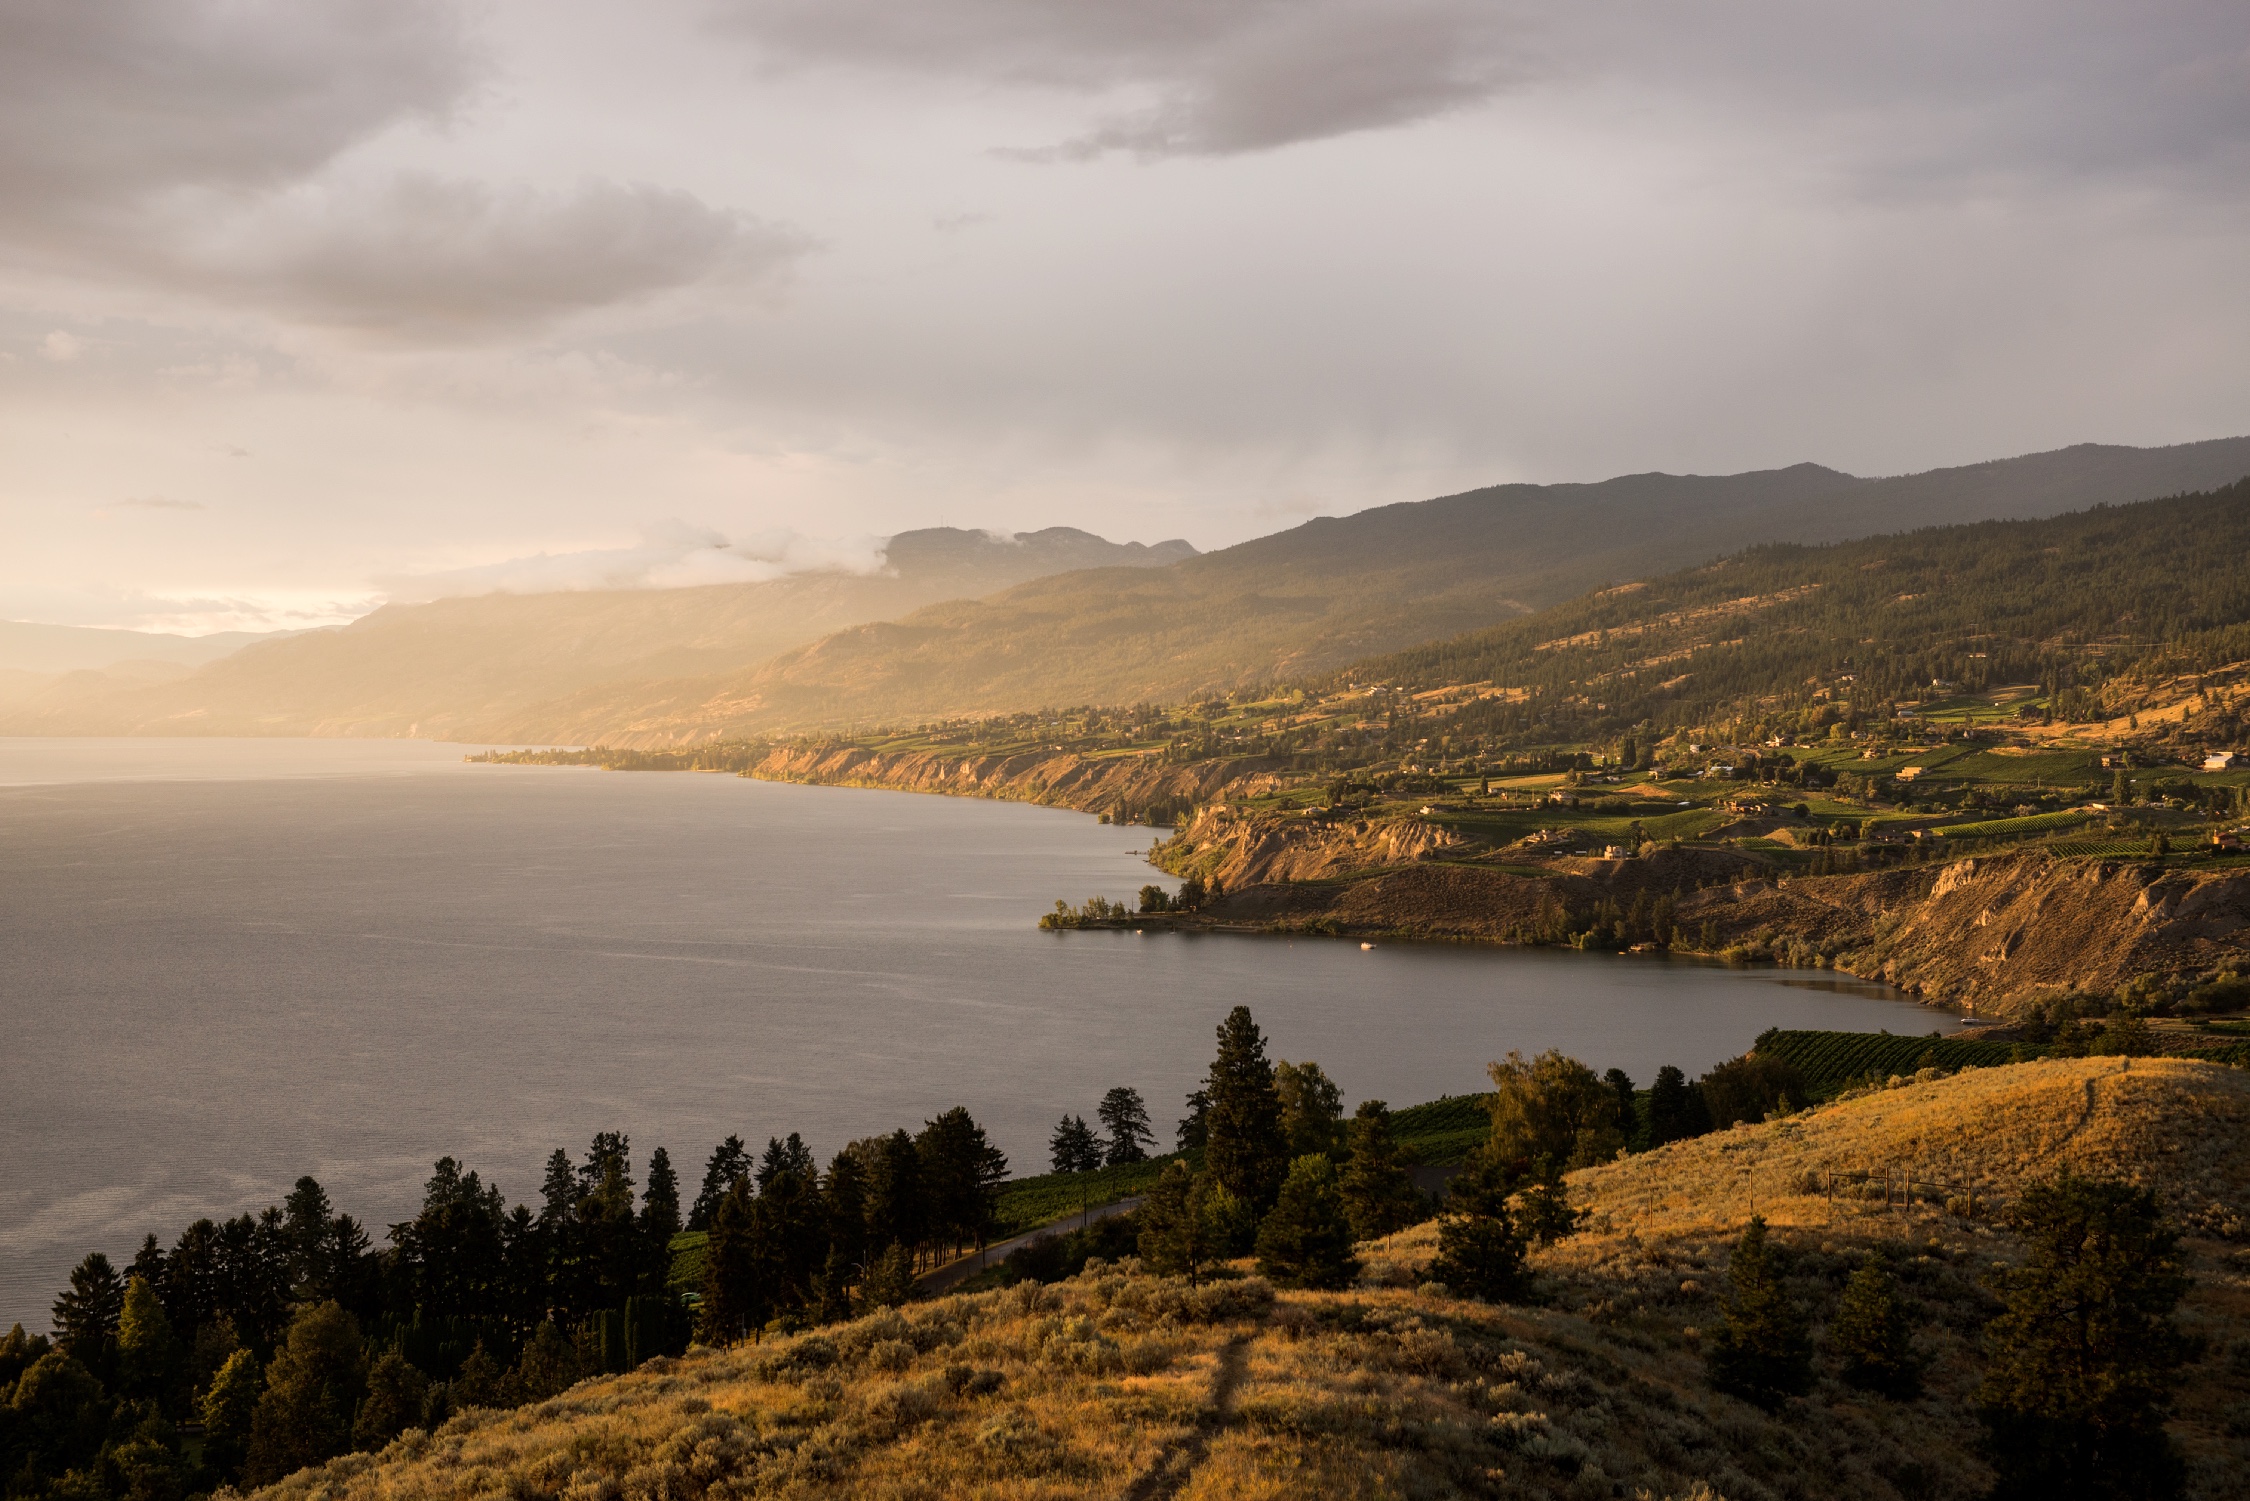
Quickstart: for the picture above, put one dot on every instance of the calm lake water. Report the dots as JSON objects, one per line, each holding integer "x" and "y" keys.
{"x": 226, "y": 963}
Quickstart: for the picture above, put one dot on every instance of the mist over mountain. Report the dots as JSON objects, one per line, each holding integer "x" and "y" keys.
{"x": 1336, "y": 590}
{"x": 444, "y": 668}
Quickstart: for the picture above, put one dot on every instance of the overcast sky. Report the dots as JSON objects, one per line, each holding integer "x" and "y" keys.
{"x": 309, "y": 303}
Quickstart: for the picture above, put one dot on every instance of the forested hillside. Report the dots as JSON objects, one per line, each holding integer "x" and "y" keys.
{"x": 2072, "y": 604}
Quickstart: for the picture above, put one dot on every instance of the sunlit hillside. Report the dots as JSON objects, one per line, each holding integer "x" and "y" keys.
{"x": 1114, "y": 1384}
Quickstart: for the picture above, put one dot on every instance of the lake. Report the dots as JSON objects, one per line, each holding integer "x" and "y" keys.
{"x": 227, "y": 963}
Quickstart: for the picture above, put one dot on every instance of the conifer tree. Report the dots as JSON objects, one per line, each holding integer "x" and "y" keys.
{"x": 2082, "y": 1363}
{"x": 1194, "y": 1130}
{"x": 1760, "y": 1352}
{"x": 86, "y": 1315}
{"x": 1175, "y": 1236}
{"x": 477, "y": 1383}
{"x": 660, "y": 1201}
{"x": 1869, "y": 1334}
{"x": 1621, "y": 1090}
{"x": 1481, "y": 1252}
{"x": 1674, "y": 1108}
{"x": 896, "y": 1210}
{"x": 890, "y": 1281}
{"x": 791, "y": 1156}
{"x": 843, "y": 1197}
{"x": 832, "y": 1293}
{"x": 396, "y": 1392}
{"x": 1245, "y": 1151}
{"x": 730, "y": 1160}
{"x": 313, "y": 1388}
{"x": 1124, "y": 1116}
{"x": 549, "y": 1365}
{"x": 1377, "y": 1182}
{"x": 734, "y": 1303}
{"x": 1305, "y": 1239}
{"x": 1547, "y": 1216}
{"x": 1073, "y": 1147}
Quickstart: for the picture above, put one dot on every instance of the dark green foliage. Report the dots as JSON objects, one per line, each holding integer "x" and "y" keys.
{"x": 58, "y": 1413}
{"x": 1546, "y": 1216}
{"x": 1760, "y": 1351}
{"x": 228, "y": 1408}
{"x": 961, "y": 1176}
{"x": 2083, "y": 1362}
{"x": 1869, "y": 1335}
{"x": 1312, "y": 1109}
{"x": 890, "y": 1281}
{"x": 549, "y": 1366}
{"x": 313, "y": 1389}
{"x": 660, "y": 1201}
{"x": 1831, "y": 1058}
{"x": 1246, "y": 1151}
{"x": 1749, "y": 1087}
{"x": 1176, "y": 1236}
{"x": 1305, "y": 1239}
{"x": 734, "y": 1270}
{"x": 477, "y": 1384}
{"x": 1124, "y": 1116}
{"x": 1675, "y": 1108}
{"x": 790, "y": 1156}
{"x": 1549, "y": 1106}
{"x": 145, "y": 1347}
{"x": 1481, "y": 1250}
{"x": 896, "y": 1213}
{"x": 1628, "y": 1106}
{"x": 85, "y": 1317}
{"x": 396, "y": 1393}
{"x": 843, "y": 1202}
{"x": 1378, "y": 1183}
{"x": 1073, "y": 1147}
{"x": 729, "y": 1160}
{"x": 1194, "y": 1131}
{"x": 832, "y": 1290}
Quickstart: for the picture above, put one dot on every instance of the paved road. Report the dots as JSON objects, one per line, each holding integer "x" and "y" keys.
{"x": 955, "y": 1272}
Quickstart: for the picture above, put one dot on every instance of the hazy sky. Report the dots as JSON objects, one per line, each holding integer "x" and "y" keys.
{"x": 308, "y": 303}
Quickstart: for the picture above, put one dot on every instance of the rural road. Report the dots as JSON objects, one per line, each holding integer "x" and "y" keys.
{"x": 957, "y": 1271}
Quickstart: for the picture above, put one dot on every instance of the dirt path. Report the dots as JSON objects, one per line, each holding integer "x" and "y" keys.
{"x": 1165, "y": 1477}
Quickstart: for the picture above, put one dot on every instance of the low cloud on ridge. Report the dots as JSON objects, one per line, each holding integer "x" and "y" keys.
{"x": 670, "y": 556}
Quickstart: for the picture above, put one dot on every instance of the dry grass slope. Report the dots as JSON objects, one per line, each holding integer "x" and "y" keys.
{"x": 1118, "y": 1385}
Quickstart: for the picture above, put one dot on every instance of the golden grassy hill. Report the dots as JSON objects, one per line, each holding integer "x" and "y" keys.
{"x": 1118, "y": 1385}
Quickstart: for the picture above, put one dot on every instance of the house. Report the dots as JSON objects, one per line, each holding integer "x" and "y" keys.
{"x": 2225, "y": 760}
{"x": 2226, "y": 839}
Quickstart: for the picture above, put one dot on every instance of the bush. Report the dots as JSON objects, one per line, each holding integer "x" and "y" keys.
{"x": 1869, "y": 1335}
{"x": 1305, "y": 1240}
{"x": 1761, "y": 1351}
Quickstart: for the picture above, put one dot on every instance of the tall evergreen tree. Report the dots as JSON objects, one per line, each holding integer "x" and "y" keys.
{"x": 734, "y": 1295}
{"x": 896, "y": 1211}
{"x": 790, "y": 1156}
{"x": 1124, "y": 1117}
{"x": 86, "y": 1315}
{"x": 2082, "y": 1364}
{"x": 396, "y": 1392}
{"x": 1547, "y": 1216}
{"x": 228, "y": 1407}
{"x": 843, "y": 1199}
{"x": 307, "y": 1220}
{"x": 1378, "y": 1181}
{"x": 1246, "y": 1151}
{"x": 1760, "y": 1352}
{"x": 1175, "y": 1228}
{"x": 1675, "y": 1108}
{"x": 1073, "y": 1147}
{"x": 1194, "y": 1130}
{"x": 1869, "y": 1334}
{"x": 1305, "y": 1239}
{"x": 145, "y": 1347}
{"x": 961, "y": 1175}
{"x": 660, "y": 1201}
{"x": 730, "y": 1160}
{"x": 1628, "y": 1118}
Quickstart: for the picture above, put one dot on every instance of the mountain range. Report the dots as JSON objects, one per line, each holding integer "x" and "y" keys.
{"x": 963, "y": 624}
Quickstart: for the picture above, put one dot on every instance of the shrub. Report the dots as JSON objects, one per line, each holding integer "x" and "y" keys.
{"x": 1761, "y": 1351}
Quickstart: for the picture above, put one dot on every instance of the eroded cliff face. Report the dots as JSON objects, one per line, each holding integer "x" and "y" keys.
{"x": 1126, "y": 787}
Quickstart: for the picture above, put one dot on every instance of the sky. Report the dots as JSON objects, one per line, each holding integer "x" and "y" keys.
{"x": 306, "y": 305}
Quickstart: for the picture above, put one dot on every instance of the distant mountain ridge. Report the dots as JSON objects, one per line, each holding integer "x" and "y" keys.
{"x": 445, "y": 668}
{"x": 1341, "y": 589}
{"x": 968, "y": 625}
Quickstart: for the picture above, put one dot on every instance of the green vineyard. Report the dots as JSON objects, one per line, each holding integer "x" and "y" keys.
{"x": 1827, "y": 1058}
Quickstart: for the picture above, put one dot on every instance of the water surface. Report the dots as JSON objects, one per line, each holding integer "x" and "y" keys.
{"x": 225, "y": 963}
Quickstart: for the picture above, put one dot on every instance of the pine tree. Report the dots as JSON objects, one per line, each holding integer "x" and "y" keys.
{"x": 843, "y": 1199}
{"x": 1628, "y": 1106}
{"x": 1246, "y": 1151}
{"x": 1673, "y": 1108}
{"x": 477, "y": 1383}
{"x": 734, "y": 1299}
{"x": 549, "y": 1365}
{"x": 85, "y": 1317}
{"x": 890, "y": 1281}
{"x": 1073, "y": 1147}
{"x": 832, "y": 1292}
{"x": 1761, "y": 1351}
{"x": 730, "y": 1160}
{"x": 2082, "y": 1363}
{"x": 1547, "y": 1216}
{"x": 1175, "y": 1236}
{"x": 1305, "y": 1239}
{"x": 1481, "y": 1252}
{"x": 145, "y": 1348}
{"x": 1869, "y": 1334}
{"x": 396, "y": 1392}
{"x": 1377, "y": 1182}
{"x": 791, "y": 1156}
{"x": 1194, "y": 1130}
{"x": 1124, "y": 1115}
{"x": 897, "y": 1211}
{"x": 312, "y": 1390}
{"x": 660, "y": 1201}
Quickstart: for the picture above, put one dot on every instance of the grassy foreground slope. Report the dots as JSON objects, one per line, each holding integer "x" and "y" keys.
{"x": 1114, "y": 1384}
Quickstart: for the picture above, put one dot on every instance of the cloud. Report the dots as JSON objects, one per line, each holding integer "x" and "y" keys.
{"x": 185, "y": 612}
{"x": 202, "y": 146}
{"x": 62, "y": 347}
{"x": 1910, "y": 91}
{"x": 422, "y": 256}
{"x": 161, "y": 503}
{"x": 671, "y": 556}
